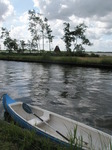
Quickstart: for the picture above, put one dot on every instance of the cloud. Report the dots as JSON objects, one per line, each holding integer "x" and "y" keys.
{"x": 20, "y": 32}
{"x": 79, "y": 8}
{"x": 92, "y": 10}
{"x": 96, "y": 14}
{"x": 24, "y": 18}
{"x": 6, "y": 9}
{"x": 19, "y": 28}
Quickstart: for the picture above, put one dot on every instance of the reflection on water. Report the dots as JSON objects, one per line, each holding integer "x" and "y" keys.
{"x": 83, "y": 94}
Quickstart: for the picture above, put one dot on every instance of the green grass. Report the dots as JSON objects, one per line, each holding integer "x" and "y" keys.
{"x": 102, "y": 61}
{"x": 12, "y": 137}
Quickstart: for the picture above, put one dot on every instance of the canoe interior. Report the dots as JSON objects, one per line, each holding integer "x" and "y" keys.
{"x": 91, "y": 137}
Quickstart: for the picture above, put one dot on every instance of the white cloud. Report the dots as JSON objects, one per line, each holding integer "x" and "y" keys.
{"x": 6, "y": 9}
{"x": 19, "y": 28}
{"x": 96, "y": 14}
{"x": 79, "y": 8}
{"x": 20, "y": 32}
{"x": 24, "y": 18}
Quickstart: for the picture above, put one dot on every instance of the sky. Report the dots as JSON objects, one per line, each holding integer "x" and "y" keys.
{"x": 96, "y": 14}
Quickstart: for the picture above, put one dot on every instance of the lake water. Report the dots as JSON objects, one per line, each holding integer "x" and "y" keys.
{"x": 83, "y": 94}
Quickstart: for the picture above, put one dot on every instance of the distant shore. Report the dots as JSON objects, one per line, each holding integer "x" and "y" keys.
{"x": 102, "y": 53}
{"x": 96, "y": 62}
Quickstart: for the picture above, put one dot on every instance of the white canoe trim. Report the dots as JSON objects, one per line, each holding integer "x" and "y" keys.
{"x": 93, "y": 138}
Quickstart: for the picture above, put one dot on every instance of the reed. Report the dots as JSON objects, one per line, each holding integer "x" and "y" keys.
{"x": 78, "y": 143}
{"x": 75, "y": 143}
{"x": 104, "y": 61}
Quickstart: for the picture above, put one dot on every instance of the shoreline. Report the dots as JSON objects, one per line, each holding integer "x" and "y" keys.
{"x": 104, "y": 62}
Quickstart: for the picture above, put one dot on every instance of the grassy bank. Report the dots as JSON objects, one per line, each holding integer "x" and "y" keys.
{"x": 102, "y": 61}
{"x": 13, "y": 137}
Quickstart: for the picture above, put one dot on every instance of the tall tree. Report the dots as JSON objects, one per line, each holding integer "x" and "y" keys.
{"x": 22, "y": 45}
{"x": 34, "y": 27}
{"x": 43, "y": 27}
{"x": 67, "y": 37}
{"x": 39, "y": 28}
{"x": 79, "y": 38}
{"x": 49, "y": 36}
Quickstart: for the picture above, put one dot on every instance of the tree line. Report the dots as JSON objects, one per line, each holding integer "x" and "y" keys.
{"x": 41, "y": 30}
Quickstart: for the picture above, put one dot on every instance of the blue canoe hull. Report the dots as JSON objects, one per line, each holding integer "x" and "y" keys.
{"x": 6, "y": 104}
{"x": 64, "y": 125}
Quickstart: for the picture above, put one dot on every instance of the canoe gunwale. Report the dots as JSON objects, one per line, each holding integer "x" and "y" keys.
{"x": 23, "y": 123}
{"x": 9, "y": 103}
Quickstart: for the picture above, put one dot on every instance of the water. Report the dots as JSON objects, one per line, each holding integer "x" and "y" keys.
{"x": 83, "y": 94}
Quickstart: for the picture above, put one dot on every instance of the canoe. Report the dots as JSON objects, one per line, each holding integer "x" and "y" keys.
{"x": 56, "y": 127}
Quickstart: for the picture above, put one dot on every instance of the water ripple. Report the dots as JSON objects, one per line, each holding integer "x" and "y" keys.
{"x": 83, "y": 94}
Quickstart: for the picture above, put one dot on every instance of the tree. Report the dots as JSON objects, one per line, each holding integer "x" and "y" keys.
{"x": 43, "y": 27}
{"x": 67, "y": 37}
{"x": 34, "y": 27}
{"x": 39, "y": 29}
{"x": 49, "y": 36}
{"x": 22, "y": 45}
{"x": 4, "y": 33}
{"x": 11, "y": 44}
{"x": 78, "y": 37}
